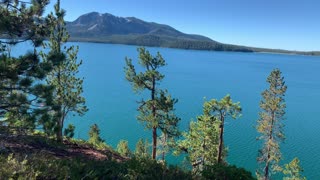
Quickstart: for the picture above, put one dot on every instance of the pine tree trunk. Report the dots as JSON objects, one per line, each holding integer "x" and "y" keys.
{"x": 163, "y": 155}
{"x": 221, "y": 140}
{"x": 59, "y": 135}
{"x": 154, "y": 144}
{"x": 154, "y": 129}
{"x": 59, "y": 131}
{"x": 266, "y": 170}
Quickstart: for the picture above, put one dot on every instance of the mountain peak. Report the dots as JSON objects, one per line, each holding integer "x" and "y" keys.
{"x": 98, "y": 24}
{"x": 92, "y": 14}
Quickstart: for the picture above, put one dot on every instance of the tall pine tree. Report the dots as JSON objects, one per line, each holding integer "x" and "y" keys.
{"x": 156, "y": 112}
{"x": 270, "y": 125}
{"x": 63, "y": 78}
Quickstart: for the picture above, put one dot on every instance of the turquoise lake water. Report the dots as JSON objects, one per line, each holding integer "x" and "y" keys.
{"x": 192, "y": 76}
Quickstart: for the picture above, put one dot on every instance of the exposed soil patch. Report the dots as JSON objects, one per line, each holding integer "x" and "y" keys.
{"x": 27, "y": 144}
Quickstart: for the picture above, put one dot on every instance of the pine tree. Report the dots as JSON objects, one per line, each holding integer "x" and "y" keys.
{"x": 293, "y": 170}
{"x": 156, "y": 112}
{"x": 142, "y": 148}
{"x": 123, "y": 148}
{"x": 94, "y": 135}
{"x": 163, "y": 146}
{"x": 21, "y": 94}
{"x": 63, "y": 77}
{"x": 204, "y": 140}
{"x": 221, "y": 110}
{"x": 200, "y": 142}
{"x": 270, "y": 124}
{"x": 168, "y": 124}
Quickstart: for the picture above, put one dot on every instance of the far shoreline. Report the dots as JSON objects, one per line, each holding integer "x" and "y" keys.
{"x": 301, "y": 53}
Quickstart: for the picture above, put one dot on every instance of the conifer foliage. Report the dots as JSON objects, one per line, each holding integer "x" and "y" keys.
{"x": 204, "y": 141}
{"x": 94, "y": 135}
{"x": 293, "y": 170}
{"x": 142, "y": 148}
{"x": 63, "y": 78}
{"x": 221, "y": 110}
{"x": 200, "y": 142}
{"x": 123, "y": 148}
{"x": 158, "y": 111}
{"x": 270, "y": 125}
{"x": 21, "y": 92}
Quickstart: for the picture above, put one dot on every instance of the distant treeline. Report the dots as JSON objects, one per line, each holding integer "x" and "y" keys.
{"x": 183, "y": 43}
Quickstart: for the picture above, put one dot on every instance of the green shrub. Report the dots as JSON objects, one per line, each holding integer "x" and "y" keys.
{"x": 16, "y": 168}
{"x": 146, "y": 168}
{"x": 224, "y": 172}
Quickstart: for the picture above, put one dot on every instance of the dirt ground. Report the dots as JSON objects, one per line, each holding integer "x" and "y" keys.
{"x": 27, "y": 144}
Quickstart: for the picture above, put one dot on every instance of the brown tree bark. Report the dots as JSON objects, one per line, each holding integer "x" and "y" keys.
{"x": 154, "y": 143}
{"x": 266, "y": 169}
{"x": 154, "y": 129}
{"x": 221, "y": 140}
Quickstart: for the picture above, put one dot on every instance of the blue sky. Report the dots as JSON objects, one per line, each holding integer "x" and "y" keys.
{"x": 285, "y": 24}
